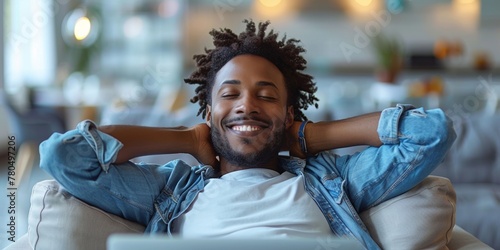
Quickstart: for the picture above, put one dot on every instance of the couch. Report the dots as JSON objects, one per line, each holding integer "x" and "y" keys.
{"x": 57, "y": 220}
{"x": 472, "y": 165}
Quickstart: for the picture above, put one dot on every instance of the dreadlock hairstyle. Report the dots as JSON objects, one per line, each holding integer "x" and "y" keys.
{"x": 285, "y": 54}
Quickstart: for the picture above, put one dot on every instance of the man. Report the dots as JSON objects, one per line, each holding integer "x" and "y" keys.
{"x": 251, "y": 92}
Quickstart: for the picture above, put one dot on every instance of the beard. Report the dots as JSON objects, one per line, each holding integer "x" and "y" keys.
{"x": 270, "y": 150}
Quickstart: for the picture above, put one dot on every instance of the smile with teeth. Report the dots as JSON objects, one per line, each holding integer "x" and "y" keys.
{"x": 246, "y": 128}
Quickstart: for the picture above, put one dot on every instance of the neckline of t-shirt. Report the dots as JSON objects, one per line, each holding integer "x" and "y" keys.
{"x": 250, "y": 172}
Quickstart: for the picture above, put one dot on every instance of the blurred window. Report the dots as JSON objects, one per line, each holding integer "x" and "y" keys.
{"x": 29, "y": 42}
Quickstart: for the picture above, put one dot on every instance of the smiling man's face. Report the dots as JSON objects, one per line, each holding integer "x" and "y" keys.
{"x": 248, "y": 115}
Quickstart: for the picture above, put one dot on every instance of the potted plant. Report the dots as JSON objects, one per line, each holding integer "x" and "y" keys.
{"x": 388, "y": 54}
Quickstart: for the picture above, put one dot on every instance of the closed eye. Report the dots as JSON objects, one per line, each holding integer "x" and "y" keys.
{"x": 270, "y": 98}
{"x": 229, "y": 95}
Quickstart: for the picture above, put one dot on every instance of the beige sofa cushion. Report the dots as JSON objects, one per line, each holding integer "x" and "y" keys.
{"x": 58, "y": 220}
{"x": 422, "y": 218}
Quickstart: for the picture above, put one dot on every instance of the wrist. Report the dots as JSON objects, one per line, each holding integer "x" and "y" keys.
{"x": 191, "y": 136}
{"x": 198, "y": 142}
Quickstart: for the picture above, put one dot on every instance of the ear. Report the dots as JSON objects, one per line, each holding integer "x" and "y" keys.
{"x": 290, "y": 115}
{"x": 208, "y": 116}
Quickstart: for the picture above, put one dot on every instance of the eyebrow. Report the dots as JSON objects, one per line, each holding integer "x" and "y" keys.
{"x": 259, "y": 83}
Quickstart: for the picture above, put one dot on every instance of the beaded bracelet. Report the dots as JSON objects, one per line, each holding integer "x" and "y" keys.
{"x": 302, "y": 137}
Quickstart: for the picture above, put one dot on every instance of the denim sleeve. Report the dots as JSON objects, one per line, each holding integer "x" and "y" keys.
{"x": 81, "y": 160}
{"x": 415, "y": 141}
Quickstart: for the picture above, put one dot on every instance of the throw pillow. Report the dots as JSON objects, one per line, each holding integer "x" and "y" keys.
{"x": 422, "y": 218}
{"x": 58, "y": 220}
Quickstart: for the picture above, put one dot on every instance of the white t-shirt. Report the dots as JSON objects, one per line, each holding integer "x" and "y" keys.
{"x": 253, "y": 203}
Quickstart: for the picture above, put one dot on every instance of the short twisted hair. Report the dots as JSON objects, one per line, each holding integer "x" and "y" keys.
{"x": 285, "y": 54}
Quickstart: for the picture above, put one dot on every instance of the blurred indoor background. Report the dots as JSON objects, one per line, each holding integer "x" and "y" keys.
{"x": 123, "y": 62}
{"x": 82, "y": 58}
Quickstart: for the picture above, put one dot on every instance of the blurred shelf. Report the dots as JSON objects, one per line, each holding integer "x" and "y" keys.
{"x": 368, "y": 70}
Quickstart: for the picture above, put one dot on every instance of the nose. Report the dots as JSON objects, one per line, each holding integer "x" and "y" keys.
{"x": 247, "y": 105}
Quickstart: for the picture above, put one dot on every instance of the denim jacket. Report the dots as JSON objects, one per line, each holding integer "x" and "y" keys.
{"x": 414, "y": 142}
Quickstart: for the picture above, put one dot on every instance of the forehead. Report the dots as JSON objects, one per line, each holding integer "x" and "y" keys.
{"x": 250, "y": 69}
